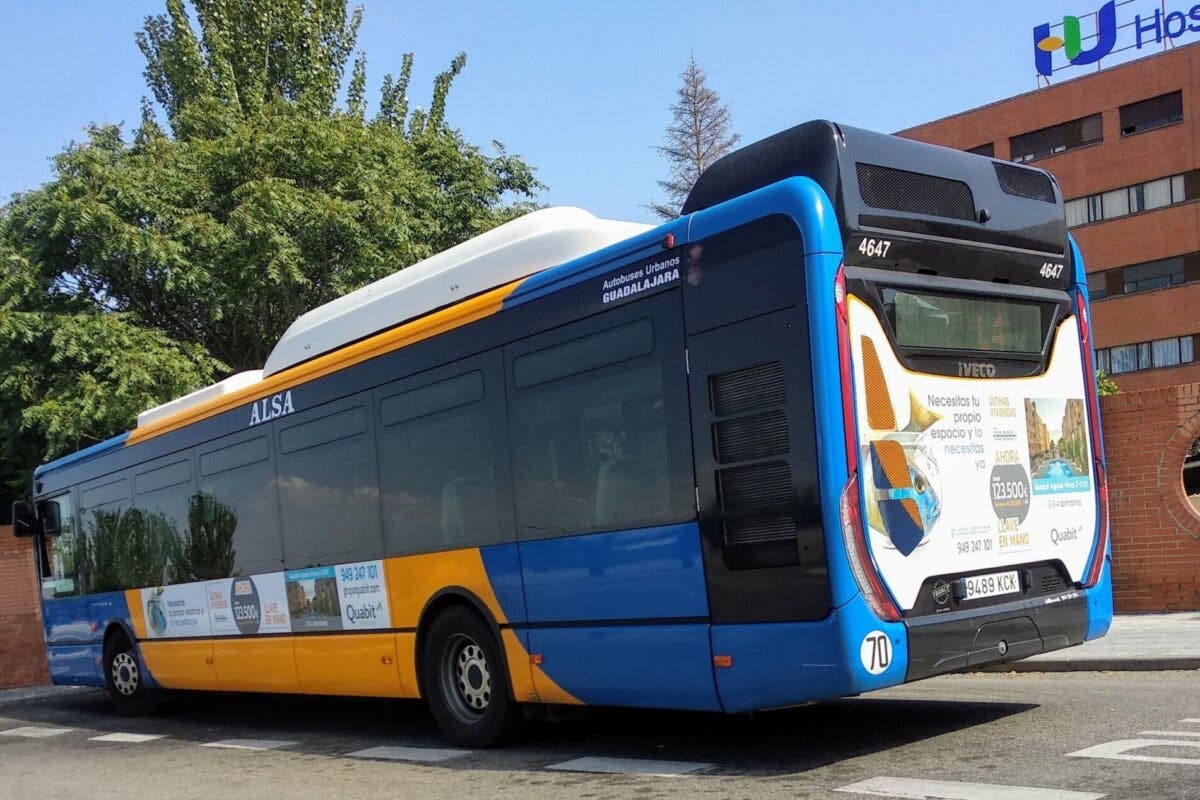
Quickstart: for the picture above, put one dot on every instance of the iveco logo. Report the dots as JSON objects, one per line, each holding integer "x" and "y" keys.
{"x": 976, "y": 369}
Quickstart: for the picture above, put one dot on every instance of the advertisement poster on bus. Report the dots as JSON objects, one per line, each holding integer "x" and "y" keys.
{"x": 344, "y": 597}
{"x": 961, "y": 475}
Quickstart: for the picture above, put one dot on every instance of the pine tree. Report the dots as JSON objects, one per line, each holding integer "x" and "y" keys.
{"x": 699, "y": 134}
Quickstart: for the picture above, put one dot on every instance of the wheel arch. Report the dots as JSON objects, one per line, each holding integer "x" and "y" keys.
{"x": 445, "y": 599}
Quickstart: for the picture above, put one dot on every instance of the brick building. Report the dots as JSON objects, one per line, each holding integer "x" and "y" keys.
{"x": 1124, "y": 144}
{"x": 22, "y": 648}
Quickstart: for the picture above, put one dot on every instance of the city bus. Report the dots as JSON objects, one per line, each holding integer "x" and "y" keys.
{"x": 832, "y": 429}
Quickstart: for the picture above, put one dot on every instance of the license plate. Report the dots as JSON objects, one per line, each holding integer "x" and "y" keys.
{"x": 992, "y": 584}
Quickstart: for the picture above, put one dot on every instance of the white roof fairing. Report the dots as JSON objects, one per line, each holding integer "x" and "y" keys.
{"x": 515, "y": 250}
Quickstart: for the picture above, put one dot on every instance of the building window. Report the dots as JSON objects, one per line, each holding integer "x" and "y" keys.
{"x": 1056, "y": 139}
{"x": 1077, "y": 212}
{"x": 1137, "y": 198}
{"x": 1115, "y": 203}
{"x": 1146, "y": 115}
{"x": 1124, "y": 358}
{"x": 1132, "y": 199}
{"x": 1153, "y": 275}
{"x": 1147, "y": 355}
{"x": 988, "y": 150}
{"x": 1097, "y": 285}
{"x": 1165, "y": 352}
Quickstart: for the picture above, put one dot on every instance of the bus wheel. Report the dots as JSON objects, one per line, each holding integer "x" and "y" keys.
{"x": 466, "y": 682}
{"x": 124, "y": 678}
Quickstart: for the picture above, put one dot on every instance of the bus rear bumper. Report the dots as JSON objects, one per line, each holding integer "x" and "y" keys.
{"x": 949, "y": 642}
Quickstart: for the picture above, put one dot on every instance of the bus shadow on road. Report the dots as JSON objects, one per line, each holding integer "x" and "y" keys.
{"x": 772, "y": 743}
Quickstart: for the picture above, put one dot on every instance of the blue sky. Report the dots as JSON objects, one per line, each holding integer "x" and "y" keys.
{"x": 581, "y": 90}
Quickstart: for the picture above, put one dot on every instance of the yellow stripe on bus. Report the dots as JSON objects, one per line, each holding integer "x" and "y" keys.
{"x": 380, "y": 664}
{"x": 466, "y": 312}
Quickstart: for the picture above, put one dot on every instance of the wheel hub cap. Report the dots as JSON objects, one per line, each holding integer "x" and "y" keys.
{"x": 125, "y": 676}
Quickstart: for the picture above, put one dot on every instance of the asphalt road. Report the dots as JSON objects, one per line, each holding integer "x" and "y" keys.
{"x": 1001, "y": 729}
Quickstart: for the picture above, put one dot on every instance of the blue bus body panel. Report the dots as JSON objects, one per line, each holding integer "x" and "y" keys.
{"x": 1099, "y": 597}
{"x": 643, "y": 593}
{"x": 503, "y": 565}
{"x": 787, "y": 663}
{"x": 74, "y": 664}
{"x": 75, "y": 629}
{"x": 95, "y": 451}
{"x": 645, "y": 666}
{"x": 646, "y": 574}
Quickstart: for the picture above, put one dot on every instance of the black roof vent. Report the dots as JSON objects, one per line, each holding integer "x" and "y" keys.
{"x": 915, "y": 192}
{"x": 1024, "y": 182}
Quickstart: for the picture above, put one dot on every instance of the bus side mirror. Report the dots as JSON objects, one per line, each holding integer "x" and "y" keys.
{"x": 25, "y": 520}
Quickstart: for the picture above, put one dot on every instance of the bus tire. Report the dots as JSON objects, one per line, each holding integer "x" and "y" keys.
{"x": 465, "y": 681}
{"x": 125, "y": 680}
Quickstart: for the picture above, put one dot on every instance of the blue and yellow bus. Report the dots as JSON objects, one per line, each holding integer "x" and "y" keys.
{"x": 833, "y": 429}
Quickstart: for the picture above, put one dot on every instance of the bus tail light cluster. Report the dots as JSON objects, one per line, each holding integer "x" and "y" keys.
{"x": 853, "y": 533}
{"x": 1093, "y": 398}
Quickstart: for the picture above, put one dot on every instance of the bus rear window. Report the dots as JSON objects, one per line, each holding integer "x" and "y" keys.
{"x": 955, "y": 322}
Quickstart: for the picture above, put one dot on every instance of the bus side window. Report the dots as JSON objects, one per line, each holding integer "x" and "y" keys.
{"x": 438, "y": 467}
{"x": 59, "y": 543}
{"x": 236, "y": 488}
{"x": 590, "y": 435}
{"x": 329, "y": 485}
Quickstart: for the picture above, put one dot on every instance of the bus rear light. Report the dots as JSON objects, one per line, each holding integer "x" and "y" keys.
{"x": 853, "y": 534}
{"x": 857, "y": 554}
{"x": 1093, "y": 399}
{"x": 1097, "y": 565}
{"x": 843, "y": 341}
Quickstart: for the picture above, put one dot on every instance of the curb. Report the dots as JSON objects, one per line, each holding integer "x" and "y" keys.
{"x": 1095, "y": 665}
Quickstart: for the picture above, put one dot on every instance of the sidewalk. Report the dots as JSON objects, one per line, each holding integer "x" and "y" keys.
{"x": 1134, "y": 642}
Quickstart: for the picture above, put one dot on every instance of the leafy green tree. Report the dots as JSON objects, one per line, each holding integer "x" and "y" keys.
{"x": 156, "y": 262}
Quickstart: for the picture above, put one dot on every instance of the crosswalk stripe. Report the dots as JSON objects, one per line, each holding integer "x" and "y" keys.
{"x": 632, "y": 766}
{"x": 422, "y": 754}
{"x": 35, "y": 732}
{"x": 249, "y": 744}
{"x": 1119, "y": 750}
{"x": 1168, "y": 733}
{"x": 953, "y": 790}
{"x": 1191, "y": 719}
{"x": 127, "y": 738}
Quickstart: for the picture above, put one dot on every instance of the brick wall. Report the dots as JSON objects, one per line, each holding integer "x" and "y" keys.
{"x": 22, "y": 648}
{"x": 1156, "y": 535}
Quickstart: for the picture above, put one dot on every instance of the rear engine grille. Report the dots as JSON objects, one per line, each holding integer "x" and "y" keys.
{"x": 915, "y": 192}
{"x": 1023, "y": 182}
{"x": 751, "y": 387}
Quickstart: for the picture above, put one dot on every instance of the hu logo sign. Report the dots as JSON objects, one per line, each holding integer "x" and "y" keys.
{"x": 1071, "y": 40}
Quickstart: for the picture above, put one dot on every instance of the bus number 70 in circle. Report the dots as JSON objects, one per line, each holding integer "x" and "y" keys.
{"x": 876, "y": 652}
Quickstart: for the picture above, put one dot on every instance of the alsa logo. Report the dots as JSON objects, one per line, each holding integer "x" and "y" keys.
{"x": 1071, "y": 40}
{"x": 269, "y": 408}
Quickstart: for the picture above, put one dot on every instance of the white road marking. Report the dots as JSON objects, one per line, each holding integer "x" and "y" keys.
{"x": 632, "y": 766}
{"x": 32, "y": 732}
{"x": 1191, "y": 719}
{"x": 1168, "y": 733}
{"x": 249, "y": 744}
{"x": 921, "y": 789}
{"x": 127, "y": 738}
{"x": 1119, "y": 751}
{"x": 427, "y": 755}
